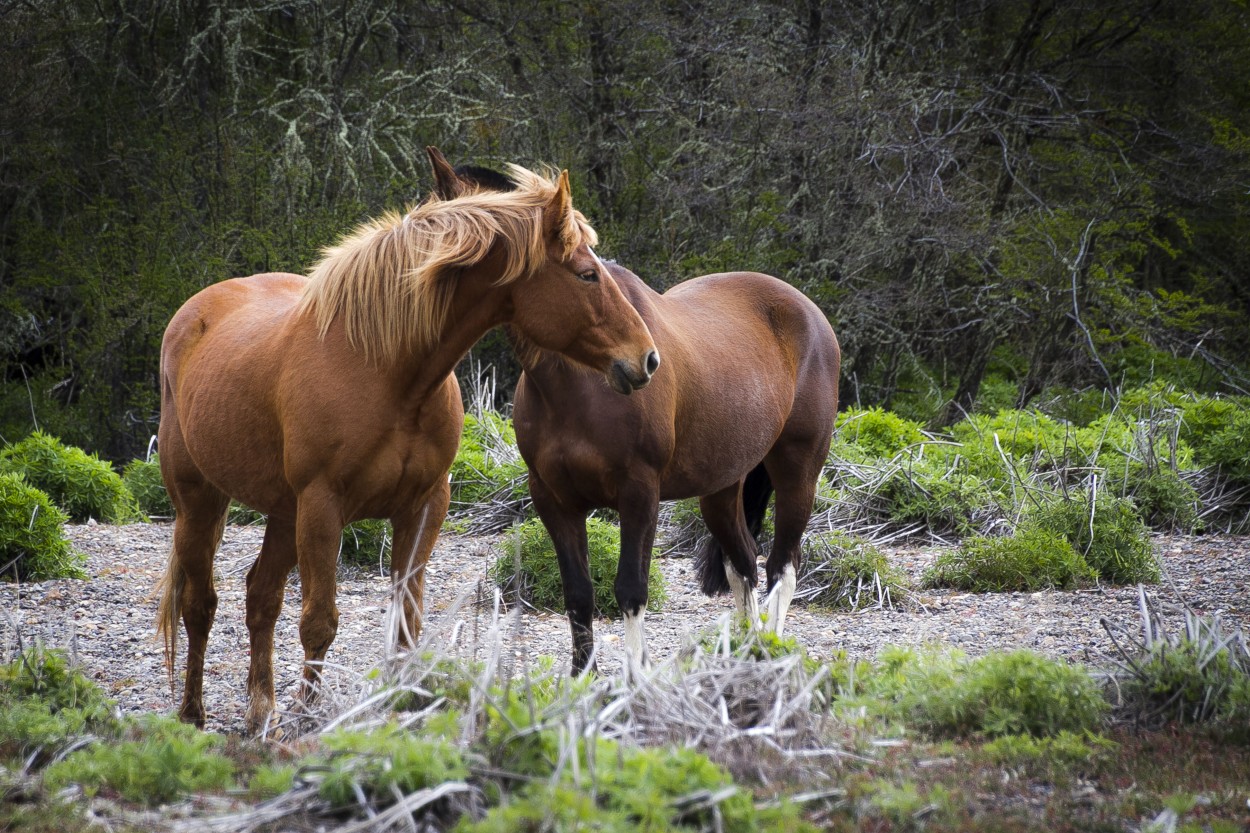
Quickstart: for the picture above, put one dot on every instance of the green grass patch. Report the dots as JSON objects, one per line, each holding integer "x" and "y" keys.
{"x": 1031, "y": 559}
{"x": 1105, "y": 530}
{"x": 377, "y": 763}
{"x": 143, "y": 479}
{"x": 843, "y": 572}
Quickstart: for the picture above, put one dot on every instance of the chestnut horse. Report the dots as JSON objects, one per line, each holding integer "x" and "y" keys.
{"x": 320, "y": 401}
{"x": 744, "y": 405}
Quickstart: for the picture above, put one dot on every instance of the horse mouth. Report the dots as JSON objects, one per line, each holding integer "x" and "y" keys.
{"x": 624, "y": 381}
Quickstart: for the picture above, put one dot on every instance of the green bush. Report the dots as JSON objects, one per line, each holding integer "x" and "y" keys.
{"x": 1031, "y": 559}
{"x": 164, "y": 761}
{"x": 1229, "y": 447}
{"x": 81, "y": 484}
{"x": 944, "y": 498}
{"x": 842, "y": 572}
{"x": 487, "y": 463}
{"x": 1106, "y": 530}
{"x": 948, "y": 695}
{"x": 538, "y": 576}
{"x": 877, "y": 432}
{"x": 143, "y": 479}
{"x": 378, "y": 762}
{"x": 1191, "y": 681}
{"x": 366, "y": 543}
{"x": 1162, "y": 498}
{"x": 32, "y": 534}
{"x": 1042, "y": 757}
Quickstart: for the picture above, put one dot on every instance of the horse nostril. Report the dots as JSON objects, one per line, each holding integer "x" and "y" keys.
{"x": 652, "y": 362}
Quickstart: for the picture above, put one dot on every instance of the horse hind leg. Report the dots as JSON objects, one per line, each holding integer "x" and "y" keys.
{"x": 723, "y": 514}
{"x": 187, "y": 589}
{"x": 794, "y": 468}
{"x": 266, "y": 584}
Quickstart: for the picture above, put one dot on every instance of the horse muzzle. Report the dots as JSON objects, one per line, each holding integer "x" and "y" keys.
{"x": 625, "y": 378}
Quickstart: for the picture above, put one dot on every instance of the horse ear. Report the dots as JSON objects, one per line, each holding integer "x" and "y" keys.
{"x": 447, "y": 185}
{"x": 559, "y": 211}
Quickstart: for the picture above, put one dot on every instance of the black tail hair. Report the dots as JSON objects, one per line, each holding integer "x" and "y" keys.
{"x": 710, "y": 559}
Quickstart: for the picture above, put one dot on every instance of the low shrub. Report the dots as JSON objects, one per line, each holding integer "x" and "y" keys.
{"x": 164, "y": 761}
{"x": 489, "y": 487}
{"x": 1043, "y": 757}
{"x": 1106, "y": 531}
{"x": 1162, "y": 498}
{"x": 375, "y": 764}
{"x": 143, "y": 479}
{"x": 948, "y": 695}
{"x": 942, "y": 496}
{"x": 526, "y": 565}
{"x": 842, "y": 572}
{"x": 81, "y": 484}
{"x": 46, "y": 704}
{"x": 32, "y": 534}
{"x": 1031, "y": 559}
{"x": 876, "y": 432}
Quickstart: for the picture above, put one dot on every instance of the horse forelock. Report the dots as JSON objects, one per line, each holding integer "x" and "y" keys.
{"x": 391, "y": 280}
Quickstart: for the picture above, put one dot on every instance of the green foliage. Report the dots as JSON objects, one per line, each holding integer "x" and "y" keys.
{"x": 271, "y": 780}
{"x": 1045, "y": 756}
{"x": 1031, "y": 559}
{"x": 947, "y": 694}
{"x": 380, "y": 761}
{"x": 1162, "y": 498}
{"x": 487, "y": 463}
{"x": 165, "y": 761}
{"x": 241, "y": 515}
{"x": 876, "y": 432}
{"x": 45, "y": 704}
{"x": 366, "y": 543}
{"x": 81, "y": 484}
{"x": 32, "y": 534}
{"x": 1029, "y": 436}
{"x": 1229, "y": 447}
{"x": 842, "y": 572}
{"x": 943, "y": 497}
{"x": 1106, "y": 531}
{"x": 537, "y": 578}
{"x": 143, "y": 479}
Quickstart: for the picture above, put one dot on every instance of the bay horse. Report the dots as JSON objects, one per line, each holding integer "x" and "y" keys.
{"x": 744, "y": 405}
{"x": 324, "y": 400}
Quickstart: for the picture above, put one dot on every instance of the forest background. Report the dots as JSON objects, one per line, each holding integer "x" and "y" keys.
{"x": 994, "y": 201}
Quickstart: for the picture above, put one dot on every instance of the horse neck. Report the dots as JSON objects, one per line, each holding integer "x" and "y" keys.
{"x": 478, "y": 305}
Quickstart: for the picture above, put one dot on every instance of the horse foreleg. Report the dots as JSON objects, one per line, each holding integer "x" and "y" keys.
{"x": 318, "y": 531}
{"x": 723, "y": 514}
{"x": 266, "y": 583}
{"x": 639, "y": 508}
{"x": 415, "y": 537}
{"x": 568, "y": 533}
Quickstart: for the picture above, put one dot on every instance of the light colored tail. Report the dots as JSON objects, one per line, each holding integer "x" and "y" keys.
{"x": 170, "y": 590}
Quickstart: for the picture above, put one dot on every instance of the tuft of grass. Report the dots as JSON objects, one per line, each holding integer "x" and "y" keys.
{"x": 1198, "y": 674}
{"x": 166, "y": 760}
{"x": 843, "y": 572}
{"x": 81, "y": 484}
{"x": 46, "y": 704}
{"x": 526, "y": 566}
{"x": 1106, "y": 530}
{"x": 945, "y": 694}
{"x": 373, "y": 765}
{"x": 32, "y": 534}
{"x": 489, "y": 486}
{"x": 1046, "y": 756}
{"x": 1031, "y": 559}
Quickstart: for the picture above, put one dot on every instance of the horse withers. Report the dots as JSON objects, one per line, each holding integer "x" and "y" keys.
{"x": 742, "y": 407}
{"x": 324, "y": 400}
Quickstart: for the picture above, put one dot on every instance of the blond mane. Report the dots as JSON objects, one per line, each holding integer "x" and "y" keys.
{"x": 391, "y": 280}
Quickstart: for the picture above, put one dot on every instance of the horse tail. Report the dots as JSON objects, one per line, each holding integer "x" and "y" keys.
{"x": 710, "y": 559}
{"x": 170, "y": 610}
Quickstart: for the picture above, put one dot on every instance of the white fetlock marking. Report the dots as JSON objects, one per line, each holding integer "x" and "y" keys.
{"x": 744, "y": 597}
{"x": 636, "y": 638}
{"x": 779, "y": 598}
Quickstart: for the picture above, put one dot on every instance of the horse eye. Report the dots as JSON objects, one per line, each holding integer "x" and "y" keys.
{"x": 590, "y": 277}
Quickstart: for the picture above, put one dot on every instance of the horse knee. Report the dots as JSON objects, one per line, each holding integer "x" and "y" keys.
{"x": 317, "y": 630}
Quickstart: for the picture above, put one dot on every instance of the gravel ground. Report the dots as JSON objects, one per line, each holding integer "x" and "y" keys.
{"x": 108, "y": 621}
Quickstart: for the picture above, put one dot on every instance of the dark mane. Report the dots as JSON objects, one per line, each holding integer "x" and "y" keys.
{"x": 487, "y": 178}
